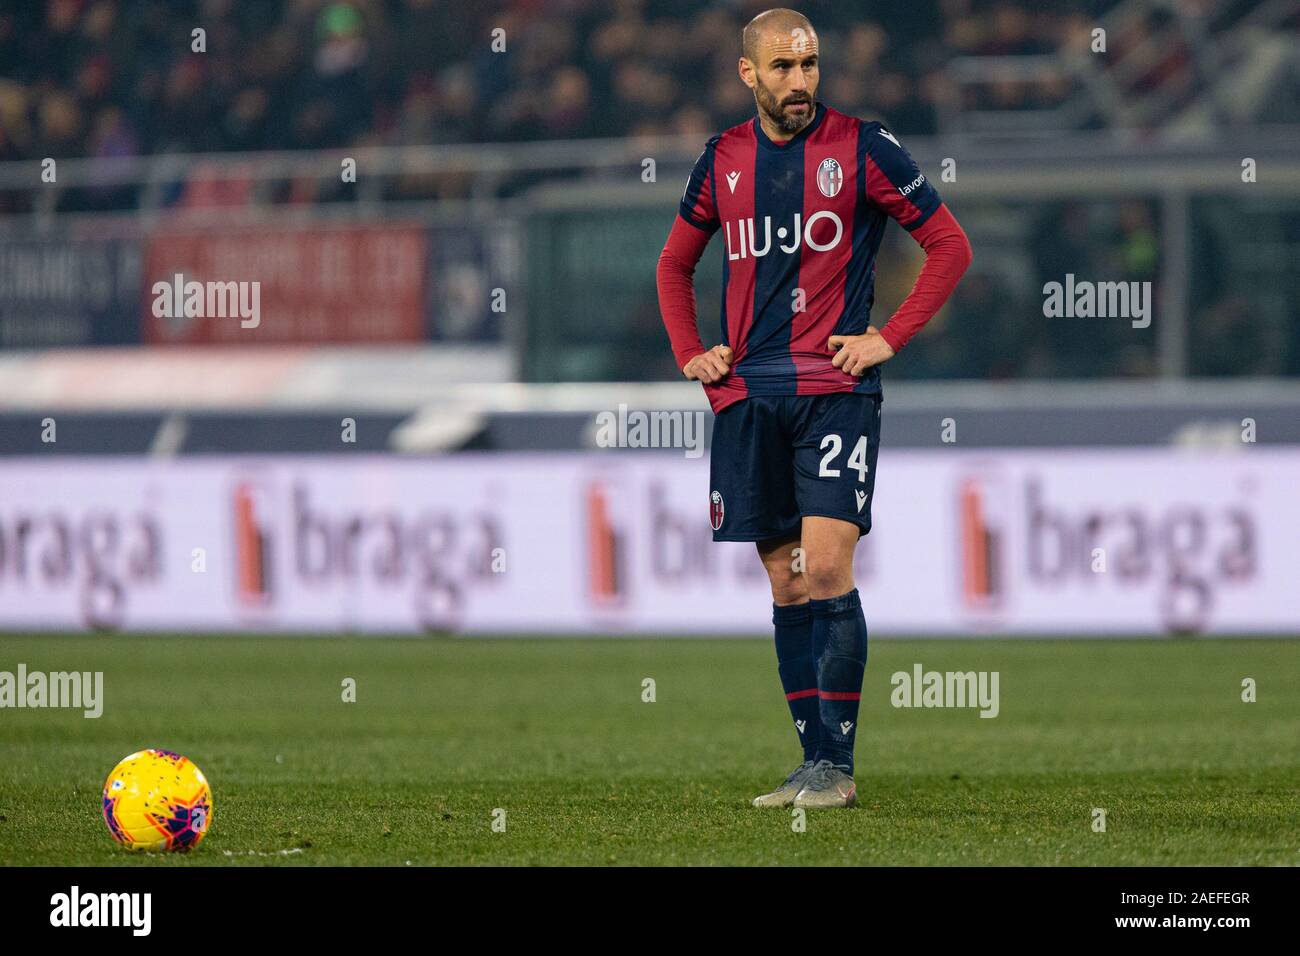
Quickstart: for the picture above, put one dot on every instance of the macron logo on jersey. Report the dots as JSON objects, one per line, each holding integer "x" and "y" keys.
{"x": 732, "y": 179}
{"x": 915, "y": 184}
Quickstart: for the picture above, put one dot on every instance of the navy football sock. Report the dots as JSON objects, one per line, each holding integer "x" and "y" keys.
{"x": 839, "y": 633}
{"x": 794, "y": 659}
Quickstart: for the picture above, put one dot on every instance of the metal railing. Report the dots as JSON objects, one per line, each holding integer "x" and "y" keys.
{"x": 1099, "y": 162}
{"x": 525, "y": 181}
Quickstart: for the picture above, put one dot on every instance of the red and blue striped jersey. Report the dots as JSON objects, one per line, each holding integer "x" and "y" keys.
{"x": 801, "y": 223}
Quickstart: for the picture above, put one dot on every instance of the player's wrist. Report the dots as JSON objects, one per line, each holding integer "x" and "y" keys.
{"x": 892, "y": 338}
{"x": 686, "y": 358}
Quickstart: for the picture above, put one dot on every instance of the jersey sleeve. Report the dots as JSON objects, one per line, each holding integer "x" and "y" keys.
{"x": 699, "y": 202}
{"x": 947, "y": 257}
{"x": 894, "y": 182}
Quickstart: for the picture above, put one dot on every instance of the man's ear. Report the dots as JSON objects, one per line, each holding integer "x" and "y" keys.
{"x": 747, "y": 72}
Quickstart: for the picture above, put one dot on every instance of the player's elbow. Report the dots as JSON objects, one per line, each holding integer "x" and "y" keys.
{"x": 964, "y": 251}
{"x": 665, "y": 262}
{"x": 956, "y": 239}
{"x": 671, "y": 266}
{"x": 957, "y": 248}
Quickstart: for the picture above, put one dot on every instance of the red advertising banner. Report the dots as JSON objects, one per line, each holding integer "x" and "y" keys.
{"x": 295, "y": 285}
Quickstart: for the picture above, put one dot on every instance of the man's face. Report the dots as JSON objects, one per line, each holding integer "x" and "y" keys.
{"x": 785, "y": 77}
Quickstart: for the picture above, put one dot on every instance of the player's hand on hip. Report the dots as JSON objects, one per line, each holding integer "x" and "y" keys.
{"x": 857, "y": 353}
{"x": 709, "y": 367}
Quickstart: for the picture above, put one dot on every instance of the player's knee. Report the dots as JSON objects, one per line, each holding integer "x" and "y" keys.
{"x": 828, "y": 577}
{"x": 788, "y": 585}
{"x": 788, "y": 588}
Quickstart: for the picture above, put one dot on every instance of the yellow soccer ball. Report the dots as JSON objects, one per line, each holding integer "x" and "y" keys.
{"x": 157, "y": 800}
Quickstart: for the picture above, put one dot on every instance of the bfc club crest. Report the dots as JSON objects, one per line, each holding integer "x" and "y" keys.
{"x": 830, "y": 177}
{"x": 715, "y": 509}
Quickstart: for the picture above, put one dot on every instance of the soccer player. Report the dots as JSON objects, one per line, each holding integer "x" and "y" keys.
{"x": 801, "y": 194}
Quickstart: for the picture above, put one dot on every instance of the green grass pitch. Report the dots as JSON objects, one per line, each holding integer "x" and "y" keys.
{"x": 555, "y": 732}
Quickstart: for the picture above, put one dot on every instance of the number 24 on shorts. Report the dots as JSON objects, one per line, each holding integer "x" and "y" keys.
{"x": 857, "y": 457}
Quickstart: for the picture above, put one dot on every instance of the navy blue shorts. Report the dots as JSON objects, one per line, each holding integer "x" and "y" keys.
{"x": 778, "y": 458}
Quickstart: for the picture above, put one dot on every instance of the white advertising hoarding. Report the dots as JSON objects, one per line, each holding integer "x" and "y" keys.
{"x": 991, "y": 542}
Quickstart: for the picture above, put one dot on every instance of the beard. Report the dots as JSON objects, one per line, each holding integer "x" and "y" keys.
{"x": 775, "y": 111}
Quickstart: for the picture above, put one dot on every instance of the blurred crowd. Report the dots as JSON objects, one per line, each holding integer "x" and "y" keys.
{"x": 123, "y": 77}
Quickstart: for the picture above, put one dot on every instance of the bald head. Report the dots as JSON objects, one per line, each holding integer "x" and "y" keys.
{"x": 781, "y": 26}
{"x": 780, "y": 63}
